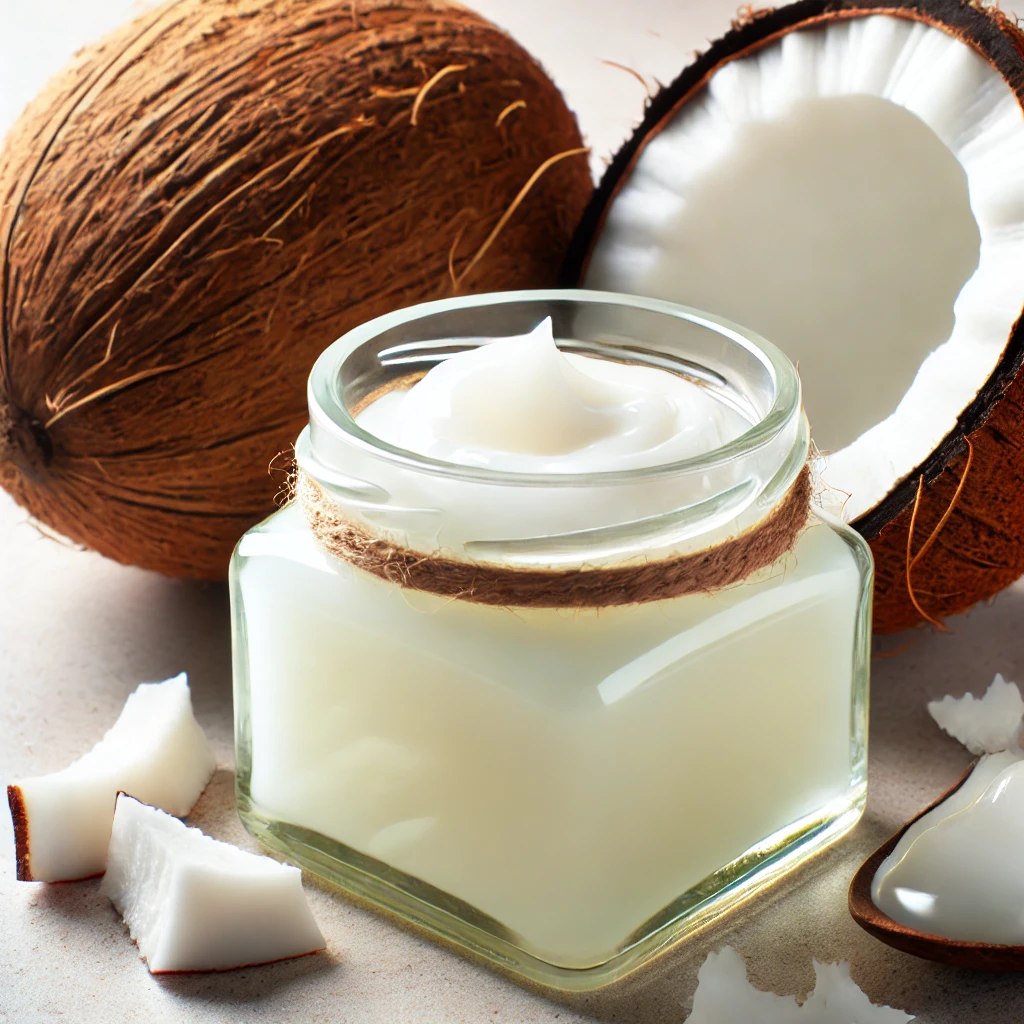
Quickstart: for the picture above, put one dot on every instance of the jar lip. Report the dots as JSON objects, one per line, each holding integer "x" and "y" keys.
{"x": 328, "y": 410}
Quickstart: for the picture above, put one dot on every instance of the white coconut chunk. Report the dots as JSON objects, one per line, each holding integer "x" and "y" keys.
{"x": 845, "y": 191}
{"x": 192, "y": 903}
{"x": 724, "y": 996}
{"x": 155, "y": 751}
{"x": 983, "y": 725}
{"x": 837, "y": 999}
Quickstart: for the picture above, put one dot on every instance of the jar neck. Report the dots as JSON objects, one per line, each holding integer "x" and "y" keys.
{"x": 556, "y": 520}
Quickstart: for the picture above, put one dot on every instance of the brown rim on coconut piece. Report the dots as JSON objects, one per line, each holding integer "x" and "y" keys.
{"x": 19, "y": 818}
{"x": 847, "y": 179}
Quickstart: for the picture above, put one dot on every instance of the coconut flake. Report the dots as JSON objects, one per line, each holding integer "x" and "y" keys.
{"x": 983, "y": 725}
{"x": 725, "y": 996}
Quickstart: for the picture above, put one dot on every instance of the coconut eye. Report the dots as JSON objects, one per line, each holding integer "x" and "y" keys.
{"x": 850, "y": 185}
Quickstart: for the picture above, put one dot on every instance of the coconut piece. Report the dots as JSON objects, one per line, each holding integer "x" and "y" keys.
{"x": 724, "y": 996}
{"x": 155, "y": 750}
{"x": 983, "y": 725}
{"x": 192, "y": 903}
{"x": 846, "y": 177}
{"x": 837, "y": 999}
{"x": 205, "y": 199}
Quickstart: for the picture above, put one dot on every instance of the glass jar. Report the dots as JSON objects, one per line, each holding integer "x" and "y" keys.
{"x": 562, "y": 791}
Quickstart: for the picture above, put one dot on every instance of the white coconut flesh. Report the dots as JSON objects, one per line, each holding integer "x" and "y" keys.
{"x": 155, "y": 751}
{"x": 854, "y": 193}
{"x": 195, "y": 904}
{"x": 725, "y": 996}
{"x": 986, "y": 724}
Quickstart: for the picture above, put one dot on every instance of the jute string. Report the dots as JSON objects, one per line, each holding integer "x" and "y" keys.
{"x": 487, "y": 583}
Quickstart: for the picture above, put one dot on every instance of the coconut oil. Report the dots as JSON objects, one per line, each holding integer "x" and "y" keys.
{"x": 956, "y": 871}
{"x": 563, "y": 790}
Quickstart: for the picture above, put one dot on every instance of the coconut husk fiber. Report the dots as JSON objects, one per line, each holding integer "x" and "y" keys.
{"x": 201, "y": 202}
{"x": 703, "y": 571}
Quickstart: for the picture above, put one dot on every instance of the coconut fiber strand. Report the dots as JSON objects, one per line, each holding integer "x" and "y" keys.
{"x": 201, "y": 202}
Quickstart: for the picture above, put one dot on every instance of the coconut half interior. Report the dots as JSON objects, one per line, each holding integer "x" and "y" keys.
{"x": 855, "y": 193}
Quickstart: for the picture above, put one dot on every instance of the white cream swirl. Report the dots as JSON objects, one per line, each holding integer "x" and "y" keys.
{"x": 520, "y": 405}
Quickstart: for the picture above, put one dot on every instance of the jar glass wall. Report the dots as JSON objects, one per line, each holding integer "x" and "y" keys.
{"x": 563, "y": 791}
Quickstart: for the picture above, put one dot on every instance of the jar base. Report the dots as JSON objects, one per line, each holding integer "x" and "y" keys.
{"x": 454, "y": 922}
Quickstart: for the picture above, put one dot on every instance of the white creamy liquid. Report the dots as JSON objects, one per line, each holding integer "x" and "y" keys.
{"x": 957, "y": 871}
{"x": 569, "y": 774}
{"x": 520, "y": 405}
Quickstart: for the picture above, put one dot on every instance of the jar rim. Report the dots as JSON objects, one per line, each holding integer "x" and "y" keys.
{"x": 329, "y": 411}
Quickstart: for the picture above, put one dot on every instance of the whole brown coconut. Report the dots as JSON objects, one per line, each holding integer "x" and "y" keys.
{"x": 204, "y": 200}
{"x": 939, "y": 497}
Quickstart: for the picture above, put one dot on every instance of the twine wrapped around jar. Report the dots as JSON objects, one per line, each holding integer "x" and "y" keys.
{"x": 709, "y": 569}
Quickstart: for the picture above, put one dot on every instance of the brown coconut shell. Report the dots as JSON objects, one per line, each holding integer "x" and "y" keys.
{"x": 201, "y": 202}
{"x": 979, "y": 549}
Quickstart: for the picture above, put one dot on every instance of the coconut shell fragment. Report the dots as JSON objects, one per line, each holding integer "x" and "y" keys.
{"x": 945, "y": 521}
{"x": 201, "y": 202}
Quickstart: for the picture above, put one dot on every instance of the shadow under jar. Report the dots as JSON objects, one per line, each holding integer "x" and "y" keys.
{"x": 565, "y": 791}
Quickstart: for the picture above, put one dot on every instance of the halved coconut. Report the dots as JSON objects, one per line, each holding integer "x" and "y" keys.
{"x": 155, "y": 751}
{"x": 192, "y": 903}
{"x": 847, "y": 179}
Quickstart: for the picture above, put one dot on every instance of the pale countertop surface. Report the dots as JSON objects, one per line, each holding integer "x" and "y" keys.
{"x": 77, "y": 633}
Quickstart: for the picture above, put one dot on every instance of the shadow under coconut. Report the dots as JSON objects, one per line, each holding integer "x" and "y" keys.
{"x": 248, "y": 984}
{"x": 72, "y": 900}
